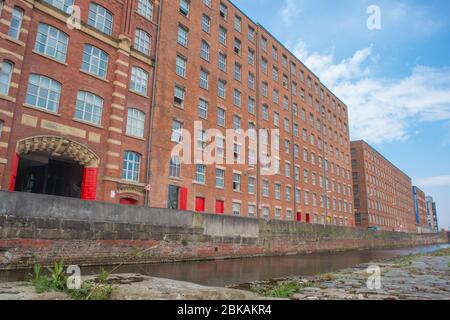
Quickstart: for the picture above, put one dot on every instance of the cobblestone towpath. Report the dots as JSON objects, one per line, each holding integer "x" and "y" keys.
{"x": 414, "y": 277}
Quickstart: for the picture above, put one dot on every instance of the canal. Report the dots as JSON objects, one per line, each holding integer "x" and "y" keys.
{"x": 226, "y": 272}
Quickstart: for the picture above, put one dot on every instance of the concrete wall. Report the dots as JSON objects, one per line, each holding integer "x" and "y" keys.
{"x": 43, "y": 229}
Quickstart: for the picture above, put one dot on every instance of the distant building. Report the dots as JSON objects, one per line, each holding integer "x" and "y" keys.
{"x": 383, "y": 197}
{"x": 432, "y": 214}
{"x": 420, "y": 208}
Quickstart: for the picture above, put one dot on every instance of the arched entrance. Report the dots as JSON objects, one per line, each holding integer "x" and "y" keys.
{"x": 56, "y": 166}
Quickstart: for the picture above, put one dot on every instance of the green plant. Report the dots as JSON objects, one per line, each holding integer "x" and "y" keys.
{"x": 103, "y": 276}
{"x": 57, "y": 276}
{"x": 184, "y": 242}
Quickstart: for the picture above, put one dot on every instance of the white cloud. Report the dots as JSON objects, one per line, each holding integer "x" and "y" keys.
{"x": 289, "y": 11}
{"x": 381, "y": 109}
{"x": 439, "y": 181}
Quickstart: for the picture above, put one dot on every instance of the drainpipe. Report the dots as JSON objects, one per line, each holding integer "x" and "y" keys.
{"x": 153, "y": 103}
{"x": 257, "y": 101}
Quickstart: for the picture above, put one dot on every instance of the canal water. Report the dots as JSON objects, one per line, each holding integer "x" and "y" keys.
{"x": 235, "y": 271}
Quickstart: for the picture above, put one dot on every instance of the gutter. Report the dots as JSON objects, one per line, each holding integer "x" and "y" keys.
{"x": 152, "y": 112}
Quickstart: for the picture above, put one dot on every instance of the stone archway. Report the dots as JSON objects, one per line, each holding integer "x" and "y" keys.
{"x": 57, "y": 146}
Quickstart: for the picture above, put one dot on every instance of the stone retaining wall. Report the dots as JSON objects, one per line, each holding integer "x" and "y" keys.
{"x": 43, "y": 229}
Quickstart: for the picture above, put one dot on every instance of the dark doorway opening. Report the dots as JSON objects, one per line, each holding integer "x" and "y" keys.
{"x": 173, "y": 198}
{"x": 40, "y": 173}
{"x": 128, "y": 202}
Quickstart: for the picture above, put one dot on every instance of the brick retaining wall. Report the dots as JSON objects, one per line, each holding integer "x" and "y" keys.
{"x": 43, "y": 229}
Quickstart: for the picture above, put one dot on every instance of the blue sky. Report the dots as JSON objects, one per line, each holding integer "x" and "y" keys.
{"x": 396, "y": 80}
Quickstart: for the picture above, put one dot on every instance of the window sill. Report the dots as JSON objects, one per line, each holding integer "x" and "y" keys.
{"x": 7, "y": 98}
{"x": 88, "y": 123}
{"x": 94, "y": 76}
{"x": 14, "y": 40}
{"x": 42, "y": 110}
{"x": 50, "y": 58}
{"x": 135, "y": 137}
{"x": 175, "y": 179}
{"x": 199, "y": 183}
{"x": 139, "y": 94}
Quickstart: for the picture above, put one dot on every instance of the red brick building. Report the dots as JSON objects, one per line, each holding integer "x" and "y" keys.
{"x": 80, "y": 118}
{"x": 221, "y": 68}
{"x": 75, "y": 100}
{"x": 383, "y": 193}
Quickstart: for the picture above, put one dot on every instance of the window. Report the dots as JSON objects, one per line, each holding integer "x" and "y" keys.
{"x": 236, "y": 182}
{"x": 220, "y": 146}
{"x": 223, "y": 36}
{"x": 223, "y": 9}
{"x": 288, "y": 193}
{"x": 184, "y": 7}
{"x": 236, "y": 209}
{"x": 265, "y": 112}
{"x": 237, "y": 46}
{"x": 142, "y": 41}
{"x": 175, "y": 167}
{"x": 6, "y": 71}
{"x": 131, "y": 164}
{"x": 100, "y": 18}
{"x": 203, "y": 109}
{"x": 95, "y": 61}
{"x": 251, "y": 56}
{"x": 178, "y": 97}
{"x": 264, "y": 44}
{"x": 221, "y": 89}
{"x": 177, "y": 128}
{"x": 237, "y": 72}
{"x": 237, "y": 153}
{"x": 237, "y": 98}
{"x": 264, "y": 89}
{"x": 145, "y": 8}
{"x": 51, "y": 42}
{"x": 277, "y": 213}
{"x": 139, "y": 80}
{"x": 251, "y": 210}
{"x": 221, "y": 117}
{"x": 206, "y": 23}
{"x": 89, "y": 107}
{"x": 135, "y": 122}
{"x": 204, "y": 51}
{"x": 201, "y": 140}
{"x": 266, "y": 188}
{"x": 200, "y": 173}
{"x": 238, "y": 23}
{"x": 16, "y": 23}
{"x": 62, "y": 5}
{"x": 251, "y": 185}
{"x": 251, "y": 105}
{"x": 251, "y": 34}
{"x": 220, "y": 178}
{"x": 182, "y": 36}
{"x": 43, "y": 92}
{"x": 181, "y": 66}
{"x": 222, "y": 62}
{"x": 207, "y": 2}
{"x": 264, "y": 66}
{"x": 1, "y": 121}
{"x": 204, "y": 76}
{"x": 277, "y": 191}
{"x": 236, "y": 123}
{"x": 274, "y": 53}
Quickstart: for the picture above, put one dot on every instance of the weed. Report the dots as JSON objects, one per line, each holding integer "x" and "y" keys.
{"x": 97, "y": 289}
{"x": 184, "y": 242}
{"x": 329, "y": 276}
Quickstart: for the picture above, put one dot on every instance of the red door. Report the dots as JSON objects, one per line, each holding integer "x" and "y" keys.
{"x": 299, "y": 216}
{"x": 308, "y": 219}
{"x": 183, "y": 198}
{"x": 128, "y": 202}
{"x": 200, "y": 204}
{"x": 220, "y": 207}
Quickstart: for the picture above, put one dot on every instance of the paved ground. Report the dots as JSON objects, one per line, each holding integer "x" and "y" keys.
{"x": 418, "y": 277}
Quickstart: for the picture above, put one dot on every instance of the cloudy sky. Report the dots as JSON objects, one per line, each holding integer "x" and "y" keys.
{"x": 395, "y": 80}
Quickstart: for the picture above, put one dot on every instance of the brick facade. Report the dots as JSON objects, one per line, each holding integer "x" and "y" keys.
{"x": 267, "y": 87}
{"x": 107, "y": 139}
{"x": 383, "y": 196}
